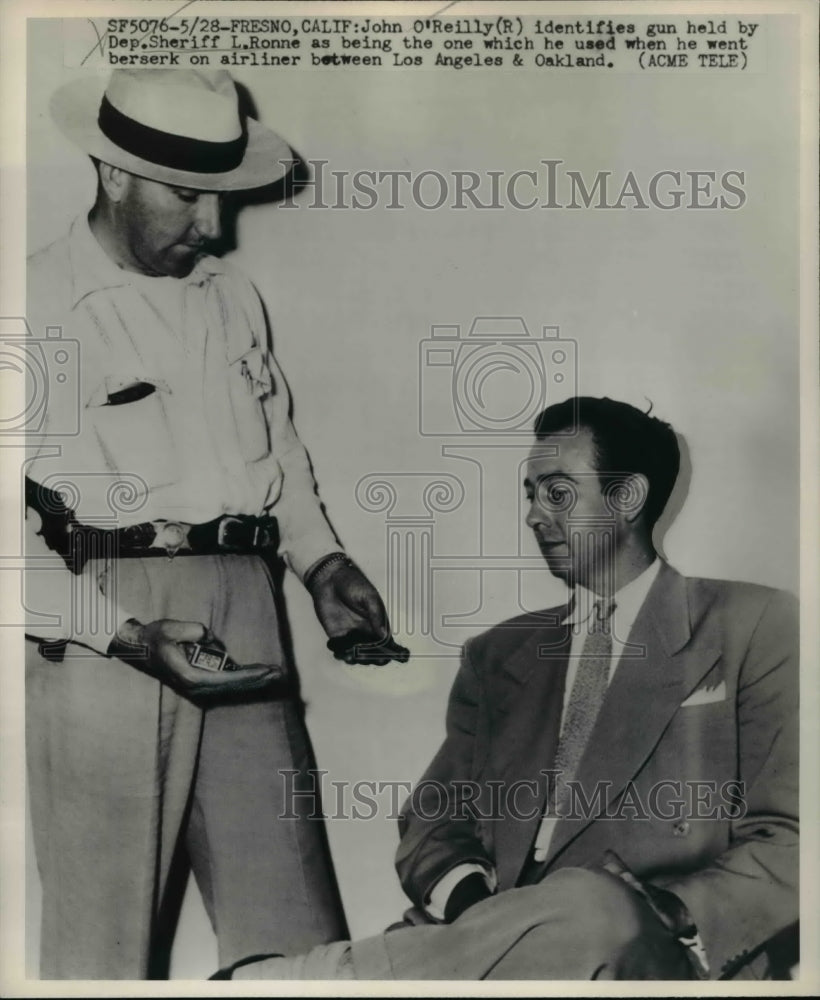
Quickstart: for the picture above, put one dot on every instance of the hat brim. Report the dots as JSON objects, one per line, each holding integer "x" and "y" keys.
{"x": 75, "y": 107}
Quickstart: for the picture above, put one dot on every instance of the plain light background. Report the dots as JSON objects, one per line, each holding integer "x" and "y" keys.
{"x": 696, "y": 311}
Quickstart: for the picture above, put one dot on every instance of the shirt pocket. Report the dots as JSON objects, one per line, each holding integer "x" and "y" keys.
{"x": 130, "y": 420}
{"x": 250, "y": 383}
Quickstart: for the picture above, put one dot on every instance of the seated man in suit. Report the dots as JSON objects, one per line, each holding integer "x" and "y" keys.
{"x": 616, "y": 796}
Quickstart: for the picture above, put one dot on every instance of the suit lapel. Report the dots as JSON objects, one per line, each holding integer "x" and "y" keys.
{"x": 662, "y": 664}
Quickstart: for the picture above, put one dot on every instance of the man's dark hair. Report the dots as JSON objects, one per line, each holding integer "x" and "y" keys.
{"x": 626, "y": 441}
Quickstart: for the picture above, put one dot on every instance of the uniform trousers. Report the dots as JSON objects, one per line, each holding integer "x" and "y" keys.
{"x": 127, "y": 779}
{"x": 578, "y": 924}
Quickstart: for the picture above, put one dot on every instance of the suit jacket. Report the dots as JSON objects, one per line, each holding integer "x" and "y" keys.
{"x": 694, "y": 755}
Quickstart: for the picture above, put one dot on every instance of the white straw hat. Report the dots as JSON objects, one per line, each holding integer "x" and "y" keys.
{"x": 177, "y": 126}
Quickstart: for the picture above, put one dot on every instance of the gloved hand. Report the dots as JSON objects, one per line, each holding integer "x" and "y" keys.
{"x": 351, "y": 612}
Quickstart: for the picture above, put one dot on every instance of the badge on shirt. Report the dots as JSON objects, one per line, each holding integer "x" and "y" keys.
{"x": 254, "y": 372}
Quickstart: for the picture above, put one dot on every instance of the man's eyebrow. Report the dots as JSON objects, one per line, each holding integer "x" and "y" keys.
{"x": 551, "y": 475}
{"x": 548, "y": 478}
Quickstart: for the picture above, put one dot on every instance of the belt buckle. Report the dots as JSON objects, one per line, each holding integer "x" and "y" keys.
{"x": 221, "y": 541}
{"x": 263, "y": 536}
{"x": 170, "y": 535}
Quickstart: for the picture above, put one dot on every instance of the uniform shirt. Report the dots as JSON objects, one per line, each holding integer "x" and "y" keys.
{"x": 628, "y": 602}
{"x": 212, "y": 435}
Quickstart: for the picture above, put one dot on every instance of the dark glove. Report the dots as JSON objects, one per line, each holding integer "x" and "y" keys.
{"x": 358, "y": 647}
{"x": 351, "y": 612}
{"x": 470, "y": 890}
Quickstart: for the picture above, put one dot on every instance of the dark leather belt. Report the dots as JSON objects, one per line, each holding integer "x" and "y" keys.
{"x": 240, "y": 534}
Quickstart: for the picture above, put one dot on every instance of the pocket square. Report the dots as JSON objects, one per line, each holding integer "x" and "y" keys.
{"x": 706, "y": 696}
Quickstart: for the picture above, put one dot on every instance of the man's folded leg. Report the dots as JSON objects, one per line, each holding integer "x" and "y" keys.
{"x": 576, "y": 924}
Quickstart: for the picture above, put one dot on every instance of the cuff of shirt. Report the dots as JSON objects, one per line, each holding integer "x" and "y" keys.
{"x": 440, "y": 893}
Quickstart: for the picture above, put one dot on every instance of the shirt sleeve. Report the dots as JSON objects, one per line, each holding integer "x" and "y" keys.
{"x": 305, "y": 533}
{"x": 443, "y": 888}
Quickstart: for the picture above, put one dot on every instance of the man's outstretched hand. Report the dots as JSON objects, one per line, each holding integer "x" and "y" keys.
{"x": 352, "y": 613}
{"x": 157, "y": 649}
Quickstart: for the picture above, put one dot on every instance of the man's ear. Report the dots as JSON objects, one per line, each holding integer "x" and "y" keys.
{"x": 114, "y": 182}
{"x": 626, "y": 494}
{"x": 636, "y": 487}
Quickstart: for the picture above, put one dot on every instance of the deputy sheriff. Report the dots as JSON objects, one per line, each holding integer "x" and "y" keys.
{"x": 149, "y": 536}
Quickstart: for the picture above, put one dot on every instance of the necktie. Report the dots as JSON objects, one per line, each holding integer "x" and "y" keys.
{"x": 586, "y": 698}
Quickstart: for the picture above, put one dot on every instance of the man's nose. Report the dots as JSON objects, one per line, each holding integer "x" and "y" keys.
{"x": 208, "y": 218}
{"x": 535, "y": 515}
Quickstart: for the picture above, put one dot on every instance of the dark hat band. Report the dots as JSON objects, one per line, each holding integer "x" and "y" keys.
{"x": 166, "y": 149}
